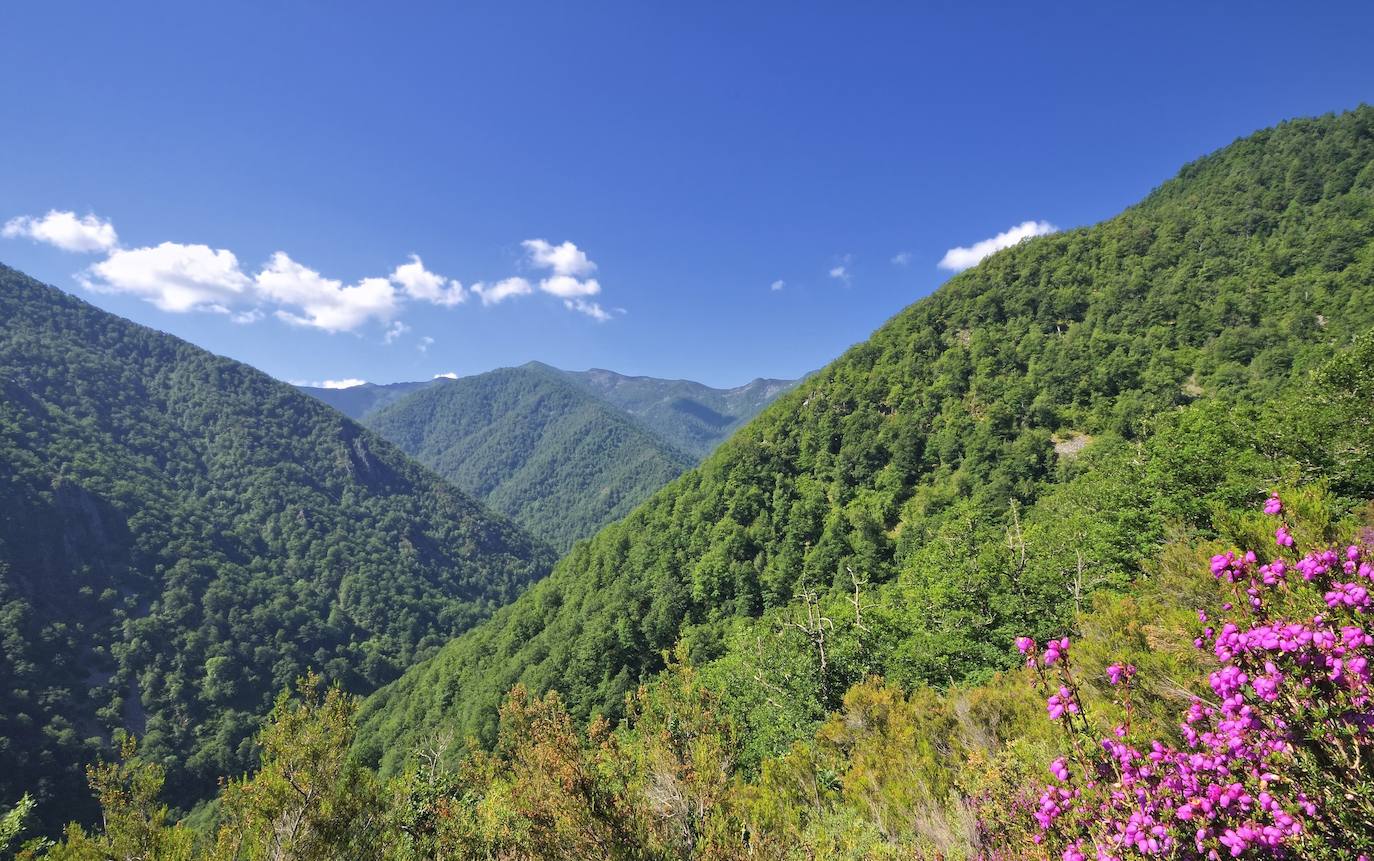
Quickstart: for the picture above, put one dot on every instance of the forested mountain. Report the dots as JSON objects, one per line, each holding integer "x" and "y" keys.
{"x": 358, "y": 401}
{"x": 562, "y": 452}
{"x": 959, "y": 774}
{"x": 973, "y": 472}
{"x": 691, "y": 416}
{"x": 181, "y": 536}
{"x": 531, "y": 444}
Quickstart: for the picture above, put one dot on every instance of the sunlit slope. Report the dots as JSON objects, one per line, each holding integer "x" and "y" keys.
{"x": 896, "y": 467}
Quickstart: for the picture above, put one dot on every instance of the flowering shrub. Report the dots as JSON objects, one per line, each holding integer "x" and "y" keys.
{"x": 1278, "y": 763}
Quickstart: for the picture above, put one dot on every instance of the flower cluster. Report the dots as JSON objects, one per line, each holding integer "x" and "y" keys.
{"x": 1275, "y": 766}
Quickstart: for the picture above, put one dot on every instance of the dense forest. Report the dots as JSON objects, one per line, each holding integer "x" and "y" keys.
{"x": 972, "y": 473}
{"x": 182, "y": 536}
{"x": 530, "y": 444}
{"x": 1073, "y": 558}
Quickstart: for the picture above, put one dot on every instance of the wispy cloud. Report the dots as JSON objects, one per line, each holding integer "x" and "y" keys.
{"x": 841, "y": 271}
{"x": 397, "y": 330}
{"x": 425, "y": 343}
{"x": 502, "y": 290}
{"x": 65, "y": 230}
{"x": 901, "y": 258}
{"x": 777, "y": 285}
{"x": 591, "y": 309}
{"x": 962, "y": 257}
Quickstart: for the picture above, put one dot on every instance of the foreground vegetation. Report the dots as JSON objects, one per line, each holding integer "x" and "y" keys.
{"x": 1261, "y": 748}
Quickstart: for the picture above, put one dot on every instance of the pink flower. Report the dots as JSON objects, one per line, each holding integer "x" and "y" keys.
{"x": 1061, "y": 703}
{"x": 1287, "y": 682}
{"x": 1117, "y": 673}
{"x": 1273, "y": 505}
{"x": 1282, "y": 538}
{"x": 1060, "y": 768}
{"x": 1054, "y": 649}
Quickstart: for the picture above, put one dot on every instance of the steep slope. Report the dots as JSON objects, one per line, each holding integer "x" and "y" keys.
{"x": 690, "y": 416}
{"x": 890, "y": 483}
{"x": 181, "y": 536}
{"x": 532, "y": 445}
{"x": 357, "y": 402}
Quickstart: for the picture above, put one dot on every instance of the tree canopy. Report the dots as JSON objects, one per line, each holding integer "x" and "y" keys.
{"x": 181, "y": 536}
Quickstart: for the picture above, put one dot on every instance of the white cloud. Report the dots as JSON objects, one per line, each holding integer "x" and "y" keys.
{"x": 568, "y": 263}
{"x": 960, "y": 258}
{"x": 564, "y": 259}
{"x": 324, "y": 302}
{"x": 330, "y": 384}
{"x": 841, "y": 274}
{"x": 172, "y": 276}
{"x": 65, "y": 230}
{"x": 502, "y": 290}
{"x": 591, "y": 309}
{"x": 777, "y": 285}
{"x": 424, "y": 344}
{"x": 567, "y": 287}
{"x": 420, "y": 283}
{"x": 901, "y": 258}
{"x": 181, "y": 278}
{"x": 447, "y": 375}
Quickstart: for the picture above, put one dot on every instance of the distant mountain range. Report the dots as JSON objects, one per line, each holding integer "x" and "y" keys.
{"x": 693, "y": 417}
{"x": 561, "y": 452}
{"x": 357, "y": 402}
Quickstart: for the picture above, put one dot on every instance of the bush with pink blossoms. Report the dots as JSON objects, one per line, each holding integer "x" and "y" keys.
{"x": 1277, "y": 762}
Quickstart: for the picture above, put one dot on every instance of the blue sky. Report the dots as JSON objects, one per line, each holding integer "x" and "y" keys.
{"x": 260, "y": 176}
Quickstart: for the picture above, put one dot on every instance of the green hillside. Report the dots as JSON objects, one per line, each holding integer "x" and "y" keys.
{"x": 181, "y": 536}
{"x": 899, "y": 487}
{"x": 690, "y": 416}
{"x": 558, "y": 460}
